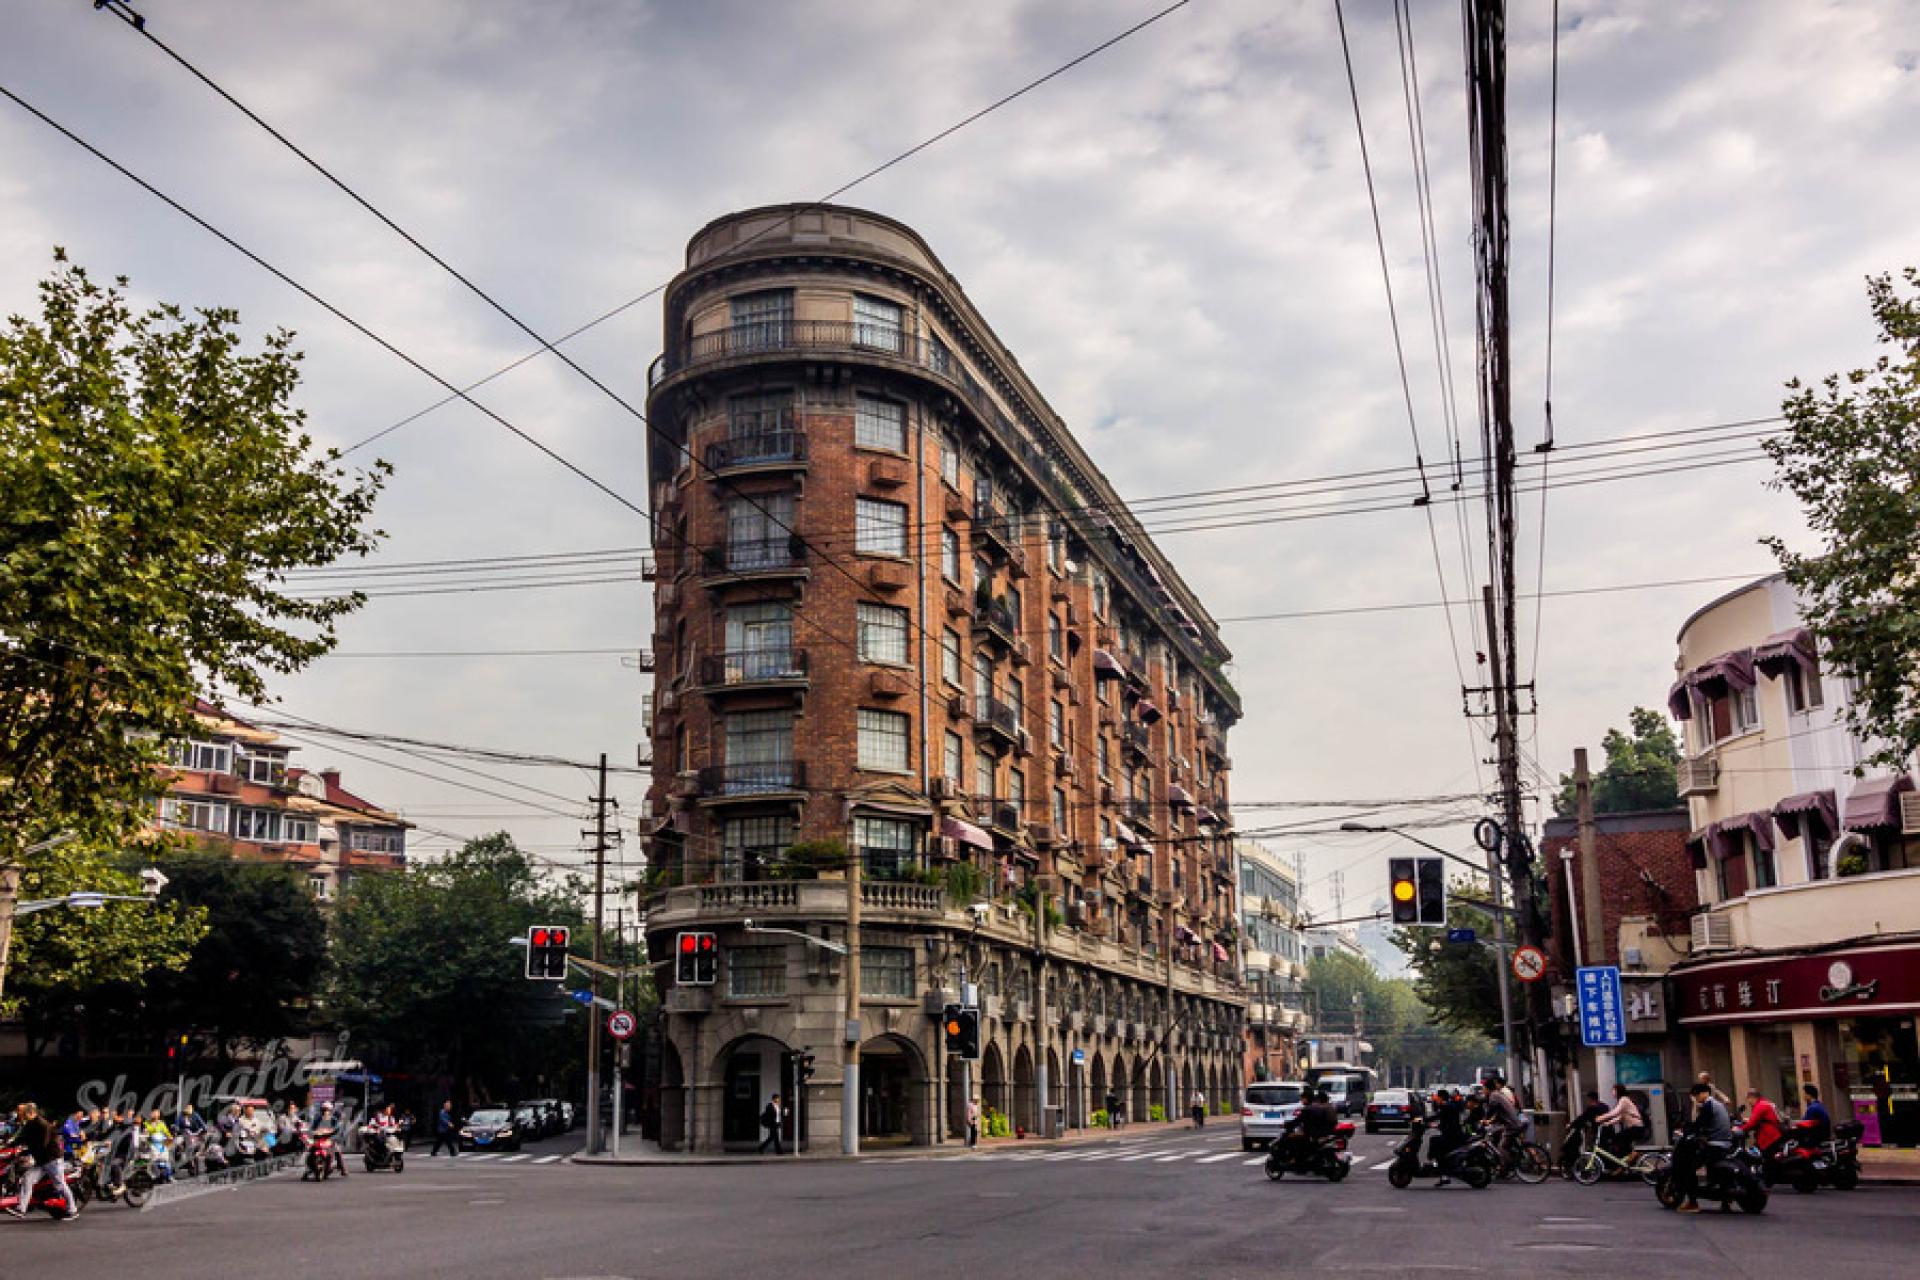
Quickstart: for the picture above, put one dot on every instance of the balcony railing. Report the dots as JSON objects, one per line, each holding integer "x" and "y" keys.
{"x": 1001, "y": 815}
{"x": 753, "y": 778}
{"x": 995, "y": 617}
{"x": 1141, "y": 814}
{"x": 1134, "y": 737}
{"x": 998, "y": 528}
{"x": 782, "y": 447}
{"x": 751, "y": 667}
{"x": 747, "y": 556}
{"x": 990, "y": 715}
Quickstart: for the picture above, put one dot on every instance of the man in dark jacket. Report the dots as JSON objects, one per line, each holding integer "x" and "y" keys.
{"x": 43, "y": 1143}
{"x": 770, "y": 1121}
{"x": 446, "y": 1131}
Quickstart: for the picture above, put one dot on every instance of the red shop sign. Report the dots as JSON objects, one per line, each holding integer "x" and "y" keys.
{"x": 1832, "y": 984}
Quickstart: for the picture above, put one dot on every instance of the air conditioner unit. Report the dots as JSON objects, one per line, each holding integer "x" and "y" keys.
{"x": 940, "y": 789}
{"x": 1024, "y": 743}
{"x": 1041, "y": 835}
{"x": 1910, "y": 813}
{"x": 1711, "y": 932}
{"x": 665, "y": 703}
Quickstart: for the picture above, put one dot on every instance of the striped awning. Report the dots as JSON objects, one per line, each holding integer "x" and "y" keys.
{"x": 966, "y": 833}
{"x": 1808, "y": 809}
{"x": 1876, "y": 803}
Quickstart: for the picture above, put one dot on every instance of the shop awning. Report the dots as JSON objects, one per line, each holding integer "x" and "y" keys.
{"x": 1179, "y": 797}
{"x": 1780, "y": 653}
{"x": 966, "y": 833}
{"x": 1697, "y": 848}
{"x": 1760, "y": 824}
{"x": 1728, "y": 671}
{"x": 1680, "y": 700}
{"x": 1128, "y": 836}
{"x": 1809, "y": 807}
{"x": 1876, "y": 803}
{"x": 1147, "y": 711}
{"x": 1723, "y": 838}
{"x": 1107, "y": 667}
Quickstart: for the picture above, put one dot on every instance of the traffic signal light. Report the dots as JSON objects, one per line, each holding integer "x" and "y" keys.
{"x": 1417, "y": 888}
{"x": 695, "y": 958}
{"x": 547, "y": 952}
{"x": 805, "y": 1070}
{"x": 962, "y": 1028}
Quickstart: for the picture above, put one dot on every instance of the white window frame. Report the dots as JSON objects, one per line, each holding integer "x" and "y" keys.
{"x": 896, "y": 841}
{"x": 379, "y": 840}
{"x": 883, "y": 740}
{"x": 880, "y": 527}
{"x": 887, "y": 973}
{"x": 953, "y": 760}
{"x": 879, "y": 323}
{"x": 198, "y": 755}
{"x": 953, "y": 665}
{"x": 950, "y": 555}
{"x": 195, "y": 813}
{"x": 879, "y": 423}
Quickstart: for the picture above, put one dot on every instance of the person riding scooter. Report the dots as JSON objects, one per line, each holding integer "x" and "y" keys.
{"x": 1713, "y": 1128}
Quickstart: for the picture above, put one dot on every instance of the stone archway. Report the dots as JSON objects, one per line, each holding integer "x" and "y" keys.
{"x": 1060, "y": 1087}
{"x": 993, "y": 1084}
{"x": 1157, "y": 1084}
{"x": 894, "y": 1093}
{"x": 673, "y": 1098}
{"x": 750, "y": 1070}
{"x": 1140, "y": 1104}
{"x": 1097, "y": 1084}
{"x": 1025, "y": 1104}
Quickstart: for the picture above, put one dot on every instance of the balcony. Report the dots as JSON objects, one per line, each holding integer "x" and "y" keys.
{"x": 1699, "y": 776}
{"x": 995, "y": 620}
{"x": 902, "y": 898}
{"x": 752, "y": 780}
{"x": 781, "y": 449}
{"x": 1141, "y": 814}
{"x": 998, "y": 531}
{"x": 754, "y": 559}
{"x": 776, "y": 337}
{"x": 994, "y": 721}
{"x": 1137, "y": 739}
{"x": 998, "y": 815}
{"x": 753, "y": 669}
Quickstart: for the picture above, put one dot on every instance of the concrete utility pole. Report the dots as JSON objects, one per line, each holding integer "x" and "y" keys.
{"x": 1040, "y": 1081}
{"x": 850, "y": 1055}
{"x": 595, "y": 1137}
{"x": 1504, "y": 958}
{"x": 9, "y": 896}
{"x": 1596, "y": 948}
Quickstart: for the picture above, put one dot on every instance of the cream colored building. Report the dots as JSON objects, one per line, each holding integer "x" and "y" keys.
{"x": 1805, "y": 960}
{"x": 1274, "y": 955}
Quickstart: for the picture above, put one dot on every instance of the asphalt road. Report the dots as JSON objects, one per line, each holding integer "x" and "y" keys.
{"x": 1159, "y": 1205}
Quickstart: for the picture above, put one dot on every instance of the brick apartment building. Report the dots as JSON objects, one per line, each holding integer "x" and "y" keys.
{"x": 234, "y": 790}
{"x": 899, "y": 610}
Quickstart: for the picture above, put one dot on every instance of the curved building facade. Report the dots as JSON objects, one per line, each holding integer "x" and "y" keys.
{"x": 907, "y": 634}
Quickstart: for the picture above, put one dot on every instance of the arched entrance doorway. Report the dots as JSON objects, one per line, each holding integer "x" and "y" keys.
{"x": 1097, "y": 1083}
{"x": 750, "y": 1071}
{"x": 1060, "y": 1087}
{"x": 993, "y": 1083}
{"x": 893, "y": 1093}
{"x": 673, "y": 1098}
{"x": 1024, "y": 1109}
{"x": 1157, "y": 1086}
{"x": 956, "y": 1098}
{"x": 1138, "y": 1108}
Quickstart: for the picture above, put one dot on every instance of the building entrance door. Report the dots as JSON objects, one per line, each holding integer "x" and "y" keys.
{"x": 883, "y": 1096}
{"x": 740, "y": 1121}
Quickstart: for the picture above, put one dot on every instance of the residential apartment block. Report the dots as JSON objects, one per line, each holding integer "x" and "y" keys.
{"x": 1275, "y": 956}
{"x": 233, "y": 789}
{"x": 900, "y": 612}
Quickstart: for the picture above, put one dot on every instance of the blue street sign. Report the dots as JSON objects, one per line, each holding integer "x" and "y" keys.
{"x": 580, "y": 997}
{"x": 1079, "y": 1056}
{"x": 1603, "y": 1018}
{"x": 1461, "y": 935}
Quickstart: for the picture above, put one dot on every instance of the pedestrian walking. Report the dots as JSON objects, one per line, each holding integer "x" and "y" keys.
{"x": 1113, "y": 1109}
{"x": 1198, "y": 1105}
{"x": 770, "y": 1121}
{"x": 446, "y": 1131}
{"x": 973, "y": 1122}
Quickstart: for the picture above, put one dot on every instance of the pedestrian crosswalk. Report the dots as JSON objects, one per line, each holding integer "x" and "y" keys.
{"x": 1155, "y": 1154}
{"x": 491, "y": 1159}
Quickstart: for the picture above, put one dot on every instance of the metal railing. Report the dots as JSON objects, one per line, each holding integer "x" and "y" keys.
{"x": 751, "y": 555}
{"x": 786, "y": 664}
{"x": 760, "y": 448}
{"x": 991, "y": 713}
{"x": 753, "y": 778}
{"x": 996, "y": 618}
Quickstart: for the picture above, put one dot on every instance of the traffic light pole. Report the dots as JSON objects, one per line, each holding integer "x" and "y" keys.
{"x": 850, "y": 1034}
{"x": 594, "y": 1135}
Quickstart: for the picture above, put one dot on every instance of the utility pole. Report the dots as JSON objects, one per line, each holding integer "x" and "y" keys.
{"x": 9, "y": 898}
{"x": 595, "y": 1138}
{"x": 1596, "y": 948}
{"x": 1504, "y": 957}
{"x": 850, "y": 1054}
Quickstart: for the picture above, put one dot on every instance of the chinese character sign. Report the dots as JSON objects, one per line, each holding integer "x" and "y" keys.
{"x": 1602, "y": 1013}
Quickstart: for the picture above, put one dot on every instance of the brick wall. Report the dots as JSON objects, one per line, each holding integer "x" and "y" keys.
{"x": 1644, "y": 871}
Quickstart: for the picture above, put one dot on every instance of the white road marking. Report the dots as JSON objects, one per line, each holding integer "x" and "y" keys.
{"x": 1257, "y": 1160}
{"x": 1384, "y": 1164}
{"x": 1144, "y": 1155}
{"x": 486, "y": 1155}
{"x": 1104, "y": 1155}
{"x": 1178, "y": 1155}
{"x": 511, "y": 1159}
{"x": 548, "y": 1159}
{"x": 1225, "y": 1155}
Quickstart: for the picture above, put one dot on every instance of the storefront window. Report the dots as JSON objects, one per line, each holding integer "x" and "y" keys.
{"x": 1879, "y": 1080}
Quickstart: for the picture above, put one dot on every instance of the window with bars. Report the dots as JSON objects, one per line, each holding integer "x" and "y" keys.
{"x": 887, "y": 972}
{"x": 880, "y": 528}
{"x": 752, "y": 847}
{"x": 754, "y": 972}
{"x": 879, "y": 424}
{"x": 883, "y": 740}
{"x": 882, "y": 633}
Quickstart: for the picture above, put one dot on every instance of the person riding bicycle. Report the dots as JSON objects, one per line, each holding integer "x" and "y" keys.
{"x": 1584, "y": 1126}
{"x": 1622, "y": 1125}
{"x": 1502, "y": 1117}
{"x": 1712, "y": 1127}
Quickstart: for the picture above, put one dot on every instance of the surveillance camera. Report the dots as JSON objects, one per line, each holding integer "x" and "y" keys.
{"x": 747, "y": 924}
{"x": 980, "y": 909}
{"x": 152, "y": 881}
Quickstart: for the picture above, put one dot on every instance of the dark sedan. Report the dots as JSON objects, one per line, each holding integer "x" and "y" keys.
{"x": 490, "y": 1129}
{"x": 1391, "y": 1109}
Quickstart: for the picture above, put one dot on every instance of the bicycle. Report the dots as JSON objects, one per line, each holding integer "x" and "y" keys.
{"x": 1596, "y": 1162}
{"x": 1527, "y": 1161}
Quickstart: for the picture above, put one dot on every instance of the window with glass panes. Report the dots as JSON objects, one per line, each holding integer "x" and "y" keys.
{"x": 953, "y": 760}
{"x": 887, "y": 972}
{"x": 888, "y": 846}
{"x": 1056, "y": 638}
{"x": 880, "y": 528}
{"x": 1017, "y": 791}
{"x": 879, "y": 424}
{"x": 268, "y": 768}
{"x": 983, "y": 774}
{"x": 760, "y": 426}
{"x": 1057, "y": 724}
{"x": 759, "y": 747}
{"x": 1059, "y": 813}
{"x": 759, "y": 531}
{"x": 882, "y": 633}
{"x": 876, "y": 323}
{"x": 177, "y": 813}
{"x": 762, "y": 319}
{"x": 883, "y": 740}
{"x": 754, "y": 848}
{"x": 759, "y": 641}
{"x": 756, "y": 971}
{"x": 950, "y": 556}
{"x": 201, "y": 757}
{"x": 950, "y": 464}
{"x": 1101, "y": 754}
{"x": 951, "y": 667}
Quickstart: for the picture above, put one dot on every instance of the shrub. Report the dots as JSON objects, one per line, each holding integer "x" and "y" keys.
{"x": 1101, "y": 1120}
{"x": 804, "y": 861}
{"x": 1157, "y": 1113}
{"x": 965, "y": 884}
{"x": 1851, "y": 864}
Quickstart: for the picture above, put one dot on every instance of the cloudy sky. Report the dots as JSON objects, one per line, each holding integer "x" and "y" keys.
{"x": 1174, "y": 238}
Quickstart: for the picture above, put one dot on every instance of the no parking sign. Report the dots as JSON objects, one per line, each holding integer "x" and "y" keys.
{"x": 621, "y": 1025}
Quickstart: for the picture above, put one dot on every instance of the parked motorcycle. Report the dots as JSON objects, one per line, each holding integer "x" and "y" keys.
{"x": 1804, "y": 1163}
{"x": 1326, "y": 1157}
{"x": 14, "y": 1163}
{"x": 1733, "y": 1178}
{"x": 383, "y": 1150}
{"x": 1473, "y": 1162}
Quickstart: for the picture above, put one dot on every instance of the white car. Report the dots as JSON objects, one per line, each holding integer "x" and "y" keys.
{"x": 1265, "y": 1110}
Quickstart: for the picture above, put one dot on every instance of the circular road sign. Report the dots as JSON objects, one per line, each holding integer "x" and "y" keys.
{"x": 1529, "y": 964}
{"x": 620, "y": 1025}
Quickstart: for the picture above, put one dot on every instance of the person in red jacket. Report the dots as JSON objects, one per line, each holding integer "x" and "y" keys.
{"x": 1762, "y": 1123}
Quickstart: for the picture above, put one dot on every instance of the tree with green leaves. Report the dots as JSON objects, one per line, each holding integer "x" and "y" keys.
{"x": 422, "y": 968}
{"x": 1851, "y": 454}
{"x": 1639, "y": 772}
{"x": 157, "y": 485}
{"x": 1457, "y": 981}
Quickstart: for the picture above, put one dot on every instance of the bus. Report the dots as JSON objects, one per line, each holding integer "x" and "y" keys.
{"x": 1348, "y": 1087}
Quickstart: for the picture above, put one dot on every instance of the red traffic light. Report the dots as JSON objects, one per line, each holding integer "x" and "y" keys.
{"x": 539, "y": 937}
{"x": 706, "y": 942}
{"x": 557, "y": 937}
{"x": 687, "y": 943}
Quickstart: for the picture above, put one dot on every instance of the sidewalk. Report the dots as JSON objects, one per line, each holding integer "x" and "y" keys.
{"x": 639, "y": 1152}
{"x": 1890, "y": 1166}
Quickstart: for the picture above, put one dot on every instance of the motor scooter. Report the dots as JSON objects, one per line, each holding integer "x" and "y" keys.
{"x": 1732, "y": 1178}
{"x": 382, "y": 1149}
{"x": 1472, "y": 1162}
{"x": 1804, "y": 1161}
{"x": 1294, "y": 1152}
{"x": 14, "y": 1163}
{"x": 321, "y": 1157}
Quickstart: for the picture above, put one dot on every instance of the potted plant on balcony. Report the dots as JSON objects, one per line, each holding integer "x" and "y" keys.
{"x": 812, "y": 860}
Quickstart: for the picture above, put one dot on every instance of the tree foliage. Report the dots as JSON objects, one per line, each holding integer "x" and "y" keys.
{"x": 1392, "y": 1016}
{"x": 1457, "y": 981}
{"x": 156, "y": 486}
{"x": 1851, "y": 454}
{"x": 1639, "y": 772}
{"x": 422, "y": 967}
